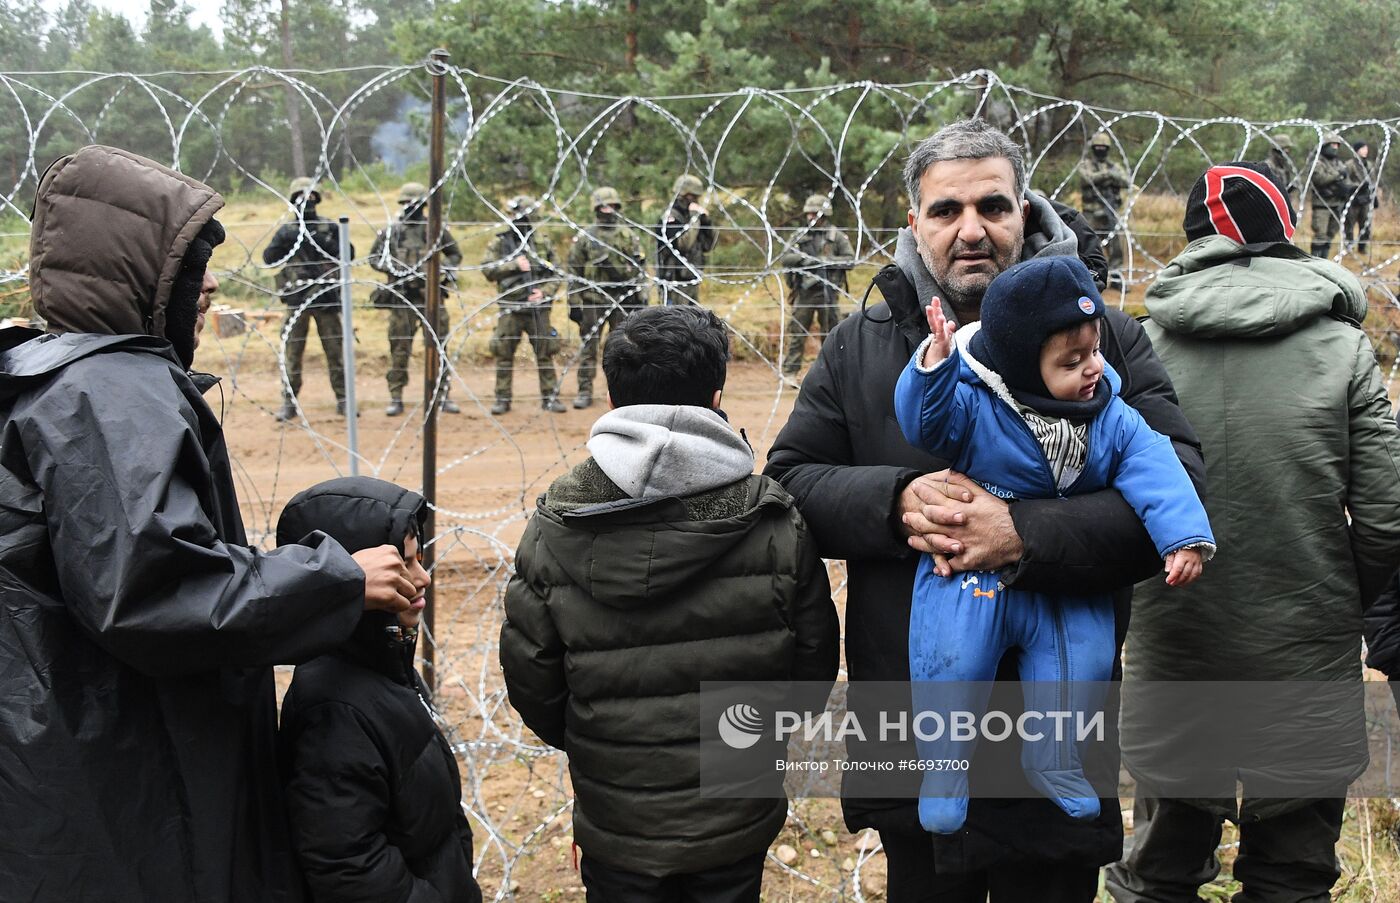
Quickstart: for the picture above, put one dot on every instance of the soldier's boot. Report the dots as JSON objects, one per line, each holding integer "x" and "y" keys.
{"x": 288, "y": 411}
{"x": 340, "y": 408}
{"x": 584, "y": 398}
{"x": 394, "y": 408}
{"x": 553, "y": 405}
{"x": 449, "y": 406}
{"x": 1319, "y": 249}
{"x": 501, "y": 406}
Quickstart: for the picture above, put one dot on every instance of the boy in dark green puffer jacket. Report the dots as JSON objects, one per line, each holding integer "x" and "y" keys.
{"x": 657, "y": 563}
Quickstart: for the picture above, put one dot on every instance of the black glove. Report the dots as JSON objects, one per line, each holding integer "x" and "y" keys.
{"x": 182, "y": 309}
{"x": 576, "y": 313}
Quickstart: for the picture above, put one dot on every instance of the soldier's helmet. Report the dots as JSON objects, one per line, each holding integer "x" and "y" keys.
{"x": 1100, "y": 139}
{"x": 412, "y": 191}
{"x": 687, "y": 184}
{"x": 1332, "y": 138}
{"x": 1283, "y": 142}
{"x": 816, "y": 203}
{"x": 605, "y": 197}
{"x": 301, "y": 186}
{"x": 520, "y": 206}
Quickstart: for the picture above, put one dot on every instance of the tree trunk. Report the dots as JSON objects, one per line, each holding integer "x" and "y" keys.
{"x": 293, "y": 99}
{"x": 853, "y": 31}
{"x": 632, "y": 6}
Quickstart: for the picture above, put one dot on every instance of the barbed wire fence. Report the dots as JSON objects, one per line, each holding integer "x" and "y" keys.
{"x": 757, "y": 152}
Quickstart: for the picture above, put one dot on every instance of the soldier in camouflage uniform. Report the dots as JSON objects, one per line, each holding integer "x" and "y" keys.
{"x": 1357, "y": 231}
{"x": 683, "y": 238}
{"x": 309, "y": 284}
{"x": 401, "y": 253}
{"x": 607, "y": 260}
{"x": 816, "y": 276}
{"x": 1281, "y": 163}
{"x": 1101, "y": 186}
{"x": 527, "y": 278}
{"x": 1331, "y": 189}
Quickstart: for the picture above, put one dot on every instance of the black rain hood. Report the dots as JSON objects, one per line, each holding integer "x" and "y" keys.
{"x": 362, "y": 513}
{"x": 357, "y": 512}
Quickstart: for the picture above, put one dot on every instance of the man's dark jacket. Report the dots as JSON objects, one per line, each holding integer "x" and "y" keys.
{"x": 619, "y": 608}
{"x": 137, "y": 626}
{"x": 842, "y": 456}
{"x": 1382, "y": 625}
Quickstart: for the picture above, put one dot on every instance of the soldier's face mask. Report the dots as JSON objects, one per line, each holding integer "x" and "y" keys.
{"x": 607, "y": 213}
{"x": 1100, "y": 151}
{"x": 1329, "y": 151}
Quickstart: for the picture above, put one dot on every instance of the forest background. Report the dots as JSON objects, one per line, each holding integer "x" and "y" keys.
{"x": 1264, "y": 62}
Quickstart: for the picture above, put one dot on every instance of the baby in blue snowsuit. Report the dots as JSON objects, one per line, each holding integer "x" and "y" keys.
{"x": 1024, "y": 403}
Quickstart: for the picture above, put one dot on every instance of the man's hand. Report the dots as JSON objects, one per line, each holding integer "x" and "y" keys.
{"x": 387, "y": 587}
{"x": 963, "y": 526}
{"x": 523, "y": 263}
{"x": 696, "y": 209}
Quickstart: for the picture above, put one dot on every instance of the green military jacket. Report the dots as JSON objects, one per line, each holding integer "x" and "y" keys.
{"x": 1360, "y": 175}
{"x": 820, "y": 259}
{"x": 1101, "y": 185}
{"x": 401, "y": 253}
{"x": 516, "y": 285}
{"x": 607, "y": 261}
{"x": 1285, "y": 170}
{"x": 1331, "y": 186}
{"x": 1266, "y": 352}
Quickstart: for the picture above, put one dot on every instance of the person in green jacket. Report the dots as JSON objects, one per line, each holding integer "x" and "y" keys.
{"x": 659, "y": 562}
{"x": 1265, "y": 348}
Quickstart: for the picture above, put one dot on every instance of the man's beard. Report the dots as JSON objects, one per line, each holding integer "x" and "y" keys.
{"x": 964, "y": 293}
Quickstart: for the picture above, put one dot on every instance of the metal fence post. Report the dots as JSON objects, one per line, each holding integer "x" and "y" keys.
{"x": 437, "y": 68}
{"x": 347, "y": 344}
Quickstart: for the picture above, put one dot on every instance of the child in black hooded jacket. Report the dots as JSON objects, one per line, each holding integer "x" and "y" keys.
{"x": 373, "y": 791}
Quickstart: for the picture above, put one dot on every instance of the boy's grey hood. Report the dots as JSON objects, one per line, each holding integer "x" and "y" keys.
{"x": 655, "y": 450}
{"x": 1046, "y": 236}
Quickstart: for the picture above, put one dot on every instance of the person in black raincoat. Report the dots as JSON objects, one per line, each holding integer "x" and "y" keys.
{"x": 137, "y": 626}
{"x": 373, "y": 790}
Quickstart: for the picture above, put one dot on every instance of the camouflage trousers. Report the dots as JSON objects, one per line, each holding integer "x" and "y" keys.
{"x": 1325, "y": 226}
{"x": 404, "y": 323}
{"x": 1104, "y": 222}
{"x": 544, "y": 340}
{"x": 592, "y": 319}
{"x": 1357, "y": 229}
{"x": 808, "y": 307}
{"x": 294, "y": 333}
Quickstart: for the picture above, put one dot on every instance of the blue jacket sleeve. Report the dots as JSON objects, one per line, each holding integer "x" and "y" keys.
{"x": 934, "y": 408}
{"x": 1152, "y": 479}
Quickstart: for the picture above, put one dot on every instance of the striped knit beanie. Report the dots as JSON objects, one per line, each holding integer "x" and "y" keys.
{"x": 1242, "y": 201}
